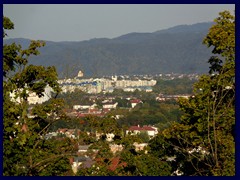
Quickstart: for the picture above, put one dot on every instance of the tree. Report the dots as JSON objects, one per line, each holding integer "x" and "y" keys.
{"x": 149, "y": 165}
{"x": 144, "y": 136}
{"x": 26, "y": 151}
{"x": 203, "y": 142}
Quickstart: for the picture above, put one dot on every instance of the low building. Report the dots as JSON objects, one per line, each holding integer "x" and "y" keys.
{"x": 86, "y": 106}
{"x": 140, "y": 146}
{"x": 109, "y": 137}
{"x": 80, "y": 162}
{"x": 135, "y": 102}
{"x": 83, "y": 148}
{"x": 115, "y": 148}
{"x": 171, "y": 97}
{"x": 150, "y": 130}
{"x": 33, "y": 98}
{"x": 110, "y": 105}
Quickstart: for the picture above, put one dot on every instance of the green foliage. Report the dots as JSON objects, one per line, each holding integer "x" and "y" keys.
{"x": 139, "y": 163}
{"x": 7, "y": 25}
{"x": 175, "y": 86}
{"x": 124, "y": 103}
{"x": 74, "y": 98}
{"x": 148, "y": 165}
{"x": 222, "y": 36}
{"x": 26, "y": 151}
{"x": 203, "y": 143}
{"x": 144, "y": 136}
{"x": 103, "y": 149}
{"x": 153, "y": 113}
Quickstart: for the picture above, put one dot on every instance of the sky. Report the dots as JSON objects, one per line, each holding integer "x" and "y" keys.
{"x": 78, "y": 22}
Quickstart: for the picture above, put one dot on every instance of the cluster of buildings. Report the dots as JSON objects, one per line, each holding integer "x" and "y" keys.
{"x": 150, "y": 130}
{"x": 84, "y": 159}
{"x": 106, "y": 84}
{"x": 83, "y": 110}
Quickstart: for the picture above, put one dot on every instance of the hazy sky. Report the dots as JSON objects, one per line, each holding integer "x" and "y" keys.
{"x": 77, "y": 22}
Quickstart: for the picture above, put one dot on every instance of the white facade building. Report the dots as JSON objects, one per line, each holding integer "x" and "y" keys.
{"x": 33, "y": 97}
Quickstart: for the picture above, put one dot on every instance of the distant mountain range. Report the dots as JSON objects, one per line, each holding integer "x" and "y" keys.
{"x": 178, "y": 49}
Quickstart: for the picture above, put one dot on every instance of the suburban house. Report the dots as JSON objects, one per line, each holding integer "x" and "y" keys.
{"x": 114, "y": 163}
{"x": 80, "y": 161}
{"x": 83, "y": 148}
{"x": 93, "y": 112}
{"x": 76, "y": 107}
{"x": 140, "y": 146}
{"x": 115, "y": 147}
{"x": 109, "y": 136}
{"x": 110, "y": 105}
{"x": 135, "y": 102}
{"x": 134, "y": 130}
{"x": 71, "y": 133}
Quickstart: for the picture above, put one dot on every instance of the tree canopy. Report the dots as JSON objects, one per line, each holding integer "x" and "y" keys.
{"x": 204, "y": 141}
{"x": 26, "y": 151}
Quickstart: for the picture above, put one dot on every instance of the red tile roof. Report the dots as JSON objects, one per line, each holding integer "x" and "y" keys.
{"x": 148, "y": 128}
{"x": 115, "y": 164}
{"x": 132, "y": 128}
{"x": 135, "y": 101}
{"x": 62, "y": 130}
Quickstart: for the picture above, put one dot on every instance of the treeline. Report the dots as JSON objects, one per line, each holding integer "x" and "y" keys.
{"x": 152, "y": 113}
{"x": 175, "y": 86}
{"x": 159, "y": 114}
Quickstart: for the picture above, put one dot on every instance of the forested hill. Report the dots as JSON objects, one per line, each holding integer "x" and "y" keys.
{"x": 178, "y": 49}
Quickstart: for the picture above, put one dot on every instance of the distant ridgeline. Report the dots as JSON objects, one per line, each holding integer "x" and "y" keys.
{"x": 178, "y": 49}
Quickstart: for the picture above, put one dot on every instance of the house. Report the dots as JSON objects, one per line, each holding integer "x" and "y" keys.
{"x": 115, "y": 147}
{"x": 83, "y": 148}
{"x": 134, "y": 130}
{"x": 140, "y": 147}
{"x": 70, "y": 133}
{"x": 91, "y": 112}
{"x": 110, "y": 105}
{"x": 151, "y": 130}
{"x": 62, "y": 131}
{"x": 80, "y": 161}
{"x": 114, "y": 163}
{"x": 109, "y": 137}
{"x": 32, "y": 98}
{"x": 162, "y": 97}
{"x": 76, "y": 107}
{"x": 135, "y": 102}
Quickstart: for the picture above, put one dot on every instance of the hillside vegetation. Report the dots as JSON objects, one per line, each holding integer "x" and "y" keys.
{"x": 178, "y": 49}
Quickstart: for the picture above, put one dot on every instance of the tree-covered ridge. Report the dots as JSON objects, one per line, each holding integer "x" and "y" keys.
{"x": 178, "y": 50}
